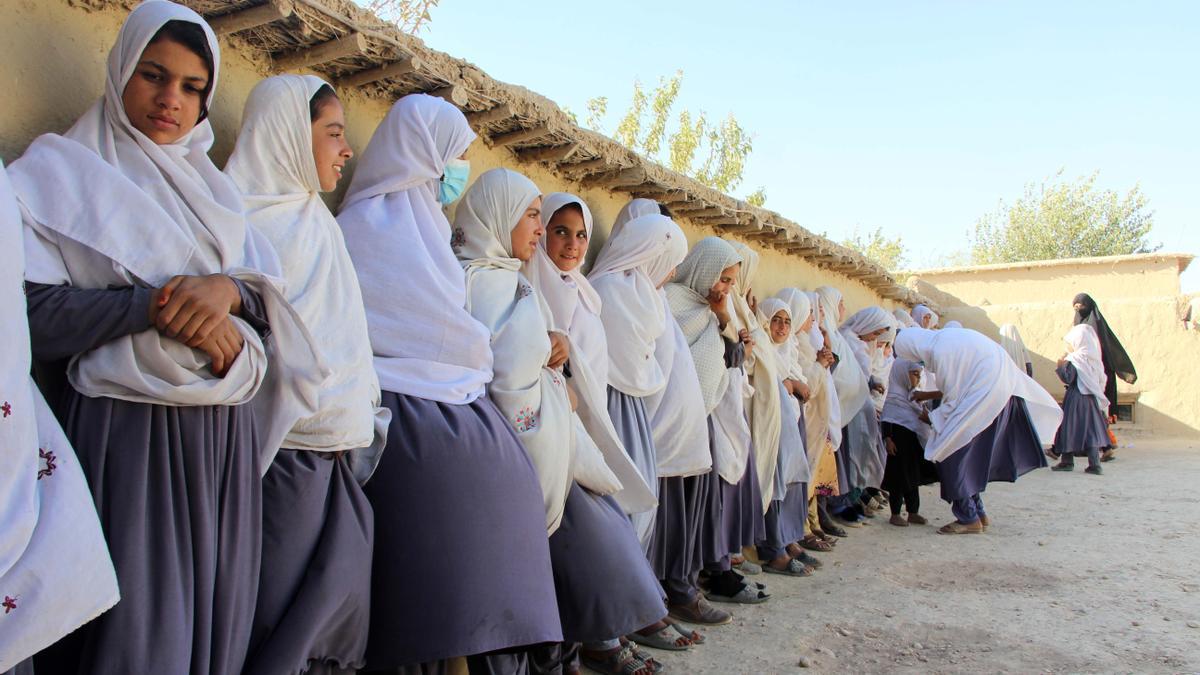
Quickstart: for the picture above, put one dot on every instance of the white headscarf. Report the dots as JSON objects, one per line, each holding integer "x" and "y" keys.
{"x": 687, "y": 296}
{"x": 763, "y": 369}
{"x": 532, "y": 396}
{"x": 881, "y": 369}
{"x": 95, "y": 196}
{"x": 425, "y": 342}
{"x": 977, "y": 379}
{"x": 55, "y": 571}
{"x": 952, "y": 324}
{"x": 898, "y": 407}
{"x": 627, "y": 274}
{"x": 822, "y": 413}
{"x": 677, "y": 411}
{"x": 920, "y": 312}
{"x": 849, "y": 377}
{"x": 864, "y": 322}
{"x": 793, "y": 463}
{"x": 1084, "y": 353}
{"x": 904, "y": 318}
{"x": 1010, "y": 340}
{"x": 273, "y": 165}
{"x": 636, "y": 208}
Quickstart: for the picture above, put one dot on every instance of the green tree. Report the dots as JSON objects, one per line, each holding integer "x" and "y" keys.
{"x": 888, "y": 253}
{"x": 1064, "y": 219}
{"x": 714, "y": 155}
{"x": 409, "y": 16}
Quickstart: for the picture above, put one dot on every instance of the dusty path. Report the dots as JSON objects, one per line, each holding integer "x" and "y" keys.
{"x": 1078, "y": 573}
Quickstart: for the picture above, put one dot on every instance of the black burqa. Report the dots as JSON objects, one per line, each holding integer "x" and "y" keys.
{"x": 1116, "y": 361}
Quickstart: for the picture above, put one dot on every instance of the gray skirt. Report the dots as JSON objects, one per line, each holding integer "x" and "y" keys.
{"x": 314, "y": 591}
{"x": 604, "y": 584}
{"x": 1083, "y": 426}
{"x": 628, "y": 414}
{"x": 866, "y": 456}
{"x": 793, "y": 513}
{"x": 741, "y": 509}
{"x": 674, "y": 541}
{"x": 1007, "y": 449}
{"x": 461, "y": 563}
{"x": 179, "y": 497}
{"x": 712, "y": 544}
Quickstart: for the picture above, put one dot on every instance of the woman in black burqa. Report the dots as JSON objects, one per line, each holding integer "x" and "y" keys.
{"x": 1116, "y": 360}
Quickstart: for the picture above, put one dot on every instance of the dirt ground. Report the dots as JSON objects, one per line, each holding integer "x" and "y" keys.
{"x": 1078, "y": 573}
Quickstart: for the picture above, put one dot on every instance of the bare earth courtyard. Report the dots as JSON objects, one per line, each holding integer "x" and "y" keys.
{"x": 1077, "y": 573}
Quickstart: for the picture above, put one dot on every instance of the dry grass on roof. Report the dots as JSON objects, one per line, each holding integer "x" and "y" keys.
{"x": 354, "y": 48}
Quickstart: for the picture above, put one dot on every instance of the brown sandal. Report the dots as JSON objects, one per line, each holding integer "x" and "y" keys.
{"x": 956, "y": 527}
{"x": 700, "y": 612}
{"x": 814, "y": 543}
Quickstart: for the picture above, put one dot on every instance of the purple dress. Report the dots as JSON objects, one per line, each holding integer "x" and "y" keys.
{"x": 1083, "y": 427}
{"x": 178, "y": 494}
{"x": 1007, "y": 449}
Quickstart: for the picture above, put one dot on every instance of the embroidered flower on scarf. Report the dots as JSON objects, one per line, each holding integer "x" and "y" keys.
{"x": 525, "y": 420}
{"x": 47, "y": 464}
{"x": 9, "y": 604}
{"x": 523, "y": 290}
{"x": 6, "y": 409}
{"x": 458, "y": 239}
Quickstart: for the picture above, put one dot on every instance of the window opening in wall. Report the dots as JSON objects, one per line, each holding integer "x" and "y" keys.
{"x": 1125, "y": 412}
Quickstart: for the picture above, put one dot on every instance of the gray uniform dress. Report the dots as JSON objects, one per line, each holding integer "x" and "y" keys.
{"x": 462, "y": 564}
{"x": 178, "y": 494}
{"x": 1083, "y": 428}
{"x": 628, "y": 414}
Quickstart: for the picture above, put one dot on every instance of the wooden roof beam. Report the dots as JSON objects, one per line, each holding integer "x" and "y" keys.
{"x": 587, "y": 166}
{"x": 634, "y": 175}
{"x": 384, "y": 72}
{"x": 253, "y": 17}
{"x": 452, "y": 94}
{"x": 520, "y": 136}
{"x": 494, "y": 114}
{"x": 350, "y": 45}
{"x": 553, "y": 153}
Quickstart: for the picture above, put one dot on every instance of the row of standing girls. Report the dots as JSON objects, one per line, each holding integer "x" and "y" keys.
{"x": 386, "y": 440}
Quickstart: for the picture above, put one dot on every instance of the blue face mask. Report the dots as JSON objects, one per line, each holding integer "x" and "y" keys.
{"x": 454, "y": 180}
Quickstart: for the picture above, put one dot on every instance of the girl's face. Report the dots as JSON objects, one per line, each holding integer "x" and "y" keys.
{"x": 871, "y": 337}
{"x": 914, "y": 378}
{"x": 165, "y": 94}
{"x": 887, "y": 349}
{"x": 330, "y": 149}
{"x": 841, "y": 311}
{"x": 566, "y": 238}
{"x": 807, "y": 325}
{"x": 781, "y": 327}
{"x": 725, "y": 281}
{"x": 821, "y": 311}
{"x": 528, "y": 231}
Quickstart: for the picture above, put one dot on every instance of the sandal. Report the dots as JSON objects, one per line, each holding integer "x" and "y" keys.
{"x": 747, "y": 567}
{"x": 834, "y": 530}
{"x": 620, "y": 662}
{"x": 700, "y": 612}
{"x": 794, "y": 568}
{"x": 806, "y": 559}
{"x": 748, "y": 595}
{"x": 814, "y": 543}
{"x": 956, "y": 527}
{"x": 694, "y": 636}
{"x": 647, "y": 659}
{"x": 664, "y": 639}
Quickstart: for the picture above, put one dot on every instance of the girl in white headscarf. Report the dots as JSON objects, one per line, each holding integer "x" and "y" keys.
{"x": 55, "y": 571}
{"x": 453, "y": 463}
{"x": 314, "y": 593}
{"x": 1010, "y": 340}
{"x": 1084, "y": 430}
{"x": 616, "y": 424}
{"x": 867, "y": 456}
{"x": 628, "y": 273}
{"x": 161, "y": 345}
{"x": 991, "y": 425}
{"x": 604, "y": 585}
{"x": 649, "y": 358}
{"x": 904, "y": 318}
{"x": 924, "y": 317}
{"x": 904, "y": 423}
{"x": 734, "y": 519}
{"x": 785, "y": 519}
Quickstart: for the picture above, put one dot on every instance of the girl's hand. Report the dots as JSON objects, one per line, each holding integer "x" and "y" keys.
{"x": 924, "y": 416}
{"x": 803, "y": 391}
{"x": 890, "y": 446}
{"x": 560, "y": 350}
{"x": 716, "y": 302}
{"x": 189, "y": 308}
{"x": 223, "y": 345}
{"x": 1062, "y": 362}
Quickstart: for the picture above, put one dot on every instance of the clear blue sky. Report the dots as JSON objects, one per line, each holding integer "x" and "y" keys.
{"x": 916, "y": 117}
